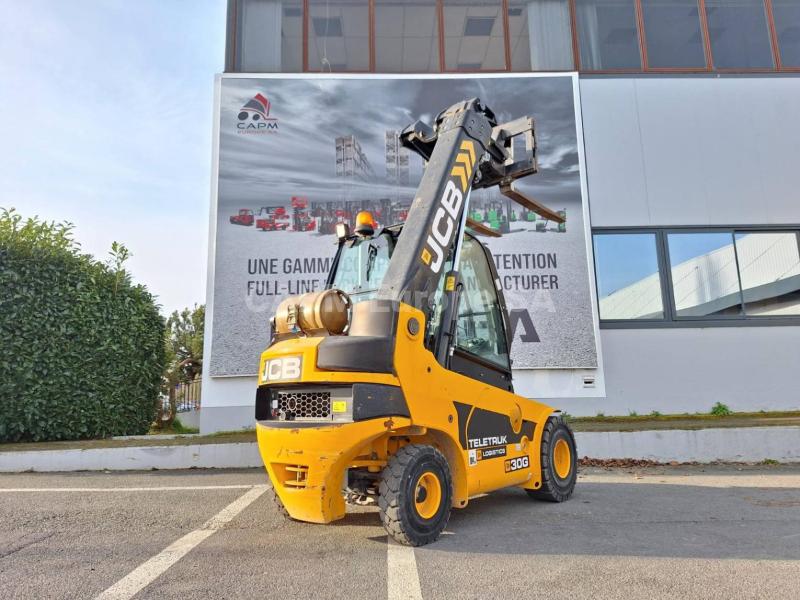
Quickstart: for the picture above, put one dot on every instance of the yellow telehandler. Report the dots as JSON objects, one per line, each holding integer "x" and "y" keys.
{"x": 393, "y": 384}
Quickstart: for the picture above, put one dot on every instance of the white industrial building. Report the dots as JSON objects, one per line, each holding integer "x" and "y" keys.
{"x": 691, "y": 127}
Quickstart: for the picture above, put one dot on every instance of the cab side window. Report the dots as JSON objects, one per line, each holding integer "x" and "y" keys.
{"x": 479, "y": 328}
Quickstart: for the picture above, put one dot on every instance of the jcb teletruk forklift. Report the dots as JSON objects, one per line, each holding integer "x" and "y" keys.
{"x": 394, "y": 383}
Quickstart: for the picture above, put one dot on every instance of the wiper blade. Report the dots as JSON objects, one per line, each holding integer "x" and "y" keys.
{"x": 372, "y": 253}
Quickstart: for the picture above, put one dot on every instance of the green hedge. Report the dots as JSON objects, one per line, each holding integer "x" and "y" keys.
{"x": 81, "y": 347}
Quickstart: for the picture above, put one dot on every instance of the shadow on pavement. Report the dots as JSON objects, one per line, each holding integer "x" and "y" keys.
{"x": 646, "y": 520}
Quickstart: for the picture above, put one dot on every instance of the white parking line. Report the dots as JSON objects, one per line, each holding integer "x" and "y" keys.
{"x": 147, "y": 572}
{"x": 742, "y": 479}
{"x": 168, "y": 488}
{"x": 403, "y": 579}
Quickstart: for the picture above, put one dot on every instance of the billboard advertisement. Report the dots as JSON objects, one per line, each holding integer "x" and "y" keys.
{"x": 296, "y": 155}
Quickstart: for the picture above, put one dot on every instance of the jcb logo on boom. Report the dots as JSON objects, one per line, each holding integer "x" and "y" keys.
{"x": 446, "y": 217}
{"x": 281, "y": 369}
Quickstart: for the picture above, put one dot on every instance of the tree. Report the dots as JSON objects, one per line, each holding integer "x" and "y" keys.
{"x": 183, "y": 345}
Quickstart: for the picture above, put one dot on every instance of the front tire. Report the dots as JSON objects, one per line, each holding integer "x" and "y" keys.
{"x": 416, "y": 493}
{"x": 559, "y": 462}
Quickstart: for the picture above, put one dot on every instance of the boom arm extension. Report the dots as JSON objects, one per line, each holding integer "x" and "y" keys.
{"x": 464, "y": 149}
{"x": 453, "y": 148}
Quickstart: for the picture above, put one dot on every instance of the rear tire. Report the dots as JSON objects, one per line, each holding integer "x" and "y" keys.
{"x": 416, "y": 493}
{"x": 559, "y": 462}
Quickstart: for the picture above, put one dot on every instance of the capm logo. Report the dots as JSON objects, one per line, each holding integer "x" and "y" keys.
{"x": 254, "y": 116}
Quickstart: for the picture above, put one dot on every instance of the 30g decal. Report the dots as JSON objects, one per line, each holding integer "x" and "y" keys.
{"x": 515, "y": 464}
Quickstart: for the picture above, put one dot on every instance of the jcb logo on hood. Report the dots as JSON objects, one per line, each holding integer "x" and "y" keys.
{"x": 446, "y": 217}
{"x": 281, "y": 369}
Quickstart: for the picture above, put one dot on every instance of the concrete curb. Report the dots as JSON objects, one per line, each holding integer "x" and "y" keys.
{"x": 201, "y": 456}
{"x": 746, "y": 444}
{"x": 734, "y": 444}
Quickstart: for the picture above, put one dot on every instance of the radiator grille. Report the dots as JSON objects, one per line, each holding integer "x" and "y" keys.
{"x": 305, "y": 404}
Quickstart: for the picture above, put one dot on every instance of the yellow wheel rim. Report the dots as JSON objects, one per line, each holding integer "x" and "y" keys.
{"x": 562, "y": 459}
{"x": 427, "y": 495}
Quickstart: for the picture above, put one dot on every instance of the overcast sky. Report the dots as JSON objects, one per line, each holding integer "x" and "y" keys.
{"x": 105, "y": 121}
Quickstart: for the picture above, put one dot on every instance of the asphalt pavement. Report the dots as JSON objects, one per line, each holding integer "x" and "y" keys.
{"x": 659, "y": 532}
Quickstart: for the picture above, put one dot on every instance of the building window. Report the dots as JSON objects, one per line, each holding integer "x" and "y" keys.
{"x": 628, "y": 279}
{"x": 739, "y": 34}
{"x": 429, "y": 36}
{"x": 338, "y": 36}
{"x": 474, "y": 37}
{"x": 697, "y": 277}
{"x": 704, "y": 276}
{"x": 406, "y": 36}
{"x": 673, "y": 34}
{"x": 608, "y": 35}
{"x": 769, "y": 269}
{"x": 787, "y": 30}
{"x": 540, "y": 35}
{"x": 270, "y": 37}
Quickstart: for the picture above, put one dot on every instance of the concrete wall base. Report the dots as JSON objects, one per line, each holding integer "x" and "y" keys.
{"x": 734, "y": 444}
{"x": 190, "y": 418}
{"x": 746, "y": 444}
{"x": 226, "y": 418}
{"x": 201, "y": 456}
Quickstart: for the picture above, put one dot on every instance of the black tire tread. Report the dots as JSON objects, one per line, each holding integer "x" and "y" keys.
{"x": 549, "y": 490}
{"x": 391, "y": 510}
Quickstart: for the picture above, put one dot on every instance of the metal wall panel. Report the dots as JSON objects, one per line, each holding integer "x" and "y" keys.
{"x": 614, "y": 160}
{"x": 688, "y": 370}
{"x": 692, "y": 150}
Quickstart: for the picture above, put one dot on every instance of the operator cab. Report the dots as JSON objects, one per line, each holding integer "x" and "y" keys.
{"x": 481, "y": 346}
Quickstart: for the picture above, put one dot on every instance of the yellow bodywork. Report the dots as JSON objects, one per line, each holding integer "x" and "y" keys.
{"x": 307, "y": 464}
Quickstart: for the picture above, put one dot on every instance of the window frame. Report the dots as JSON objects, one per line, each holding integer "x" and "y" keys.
{"x": 232, "y": 60}
{"x": 502, "y": 310}
{"x": 776, "y": 47}
{"x": 440, "y": 6}
{"x": 671, "y": 318}
{"x": 660, "y": 258}
{"x": 639, "y": 21}
{"x": 704, "y": 35}
{"x": 671, "y": 288}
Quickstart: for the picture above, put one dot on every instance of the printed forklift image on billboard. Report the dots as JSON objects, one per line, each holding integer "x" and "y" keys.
{"x": 394, "y": 383}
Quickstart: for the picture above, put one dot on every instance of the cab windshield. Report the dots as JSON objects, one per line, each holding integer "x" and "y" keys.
{"x": 362, "y": 265}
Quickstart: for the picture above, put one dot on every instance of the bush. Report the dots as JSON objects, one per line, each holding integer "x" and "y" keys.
{"x": 81, "y": 347}
{"x": 720, "y": 410}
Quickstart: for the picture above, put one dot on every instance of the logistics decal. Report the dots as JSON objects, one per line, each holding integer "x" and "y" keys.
{"x": 486, "y": 434}
{"x": 254, "y": 116}
{"x": 487, "y": 447}
{"x": 445, "y": 222}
